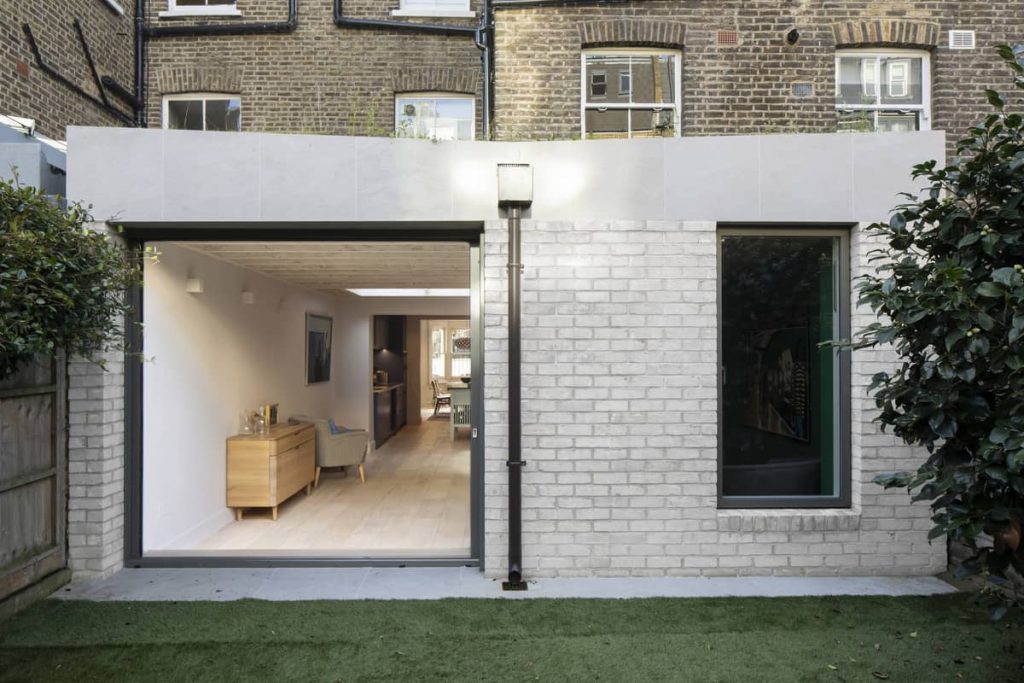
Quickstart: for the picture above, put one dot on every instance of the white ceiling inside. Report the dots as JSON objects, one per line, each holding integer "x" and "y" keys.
{"x": 333, "y": 267}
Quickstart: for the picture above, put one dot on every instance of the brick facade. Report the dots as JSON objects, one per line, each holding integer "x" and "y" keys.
{"x": 620, "y": 421}
{"x": 317, "y": 79}
{"x": 746, "y": 88}
{"x": 27, "y": 91}
{"x": 96, "y": 466}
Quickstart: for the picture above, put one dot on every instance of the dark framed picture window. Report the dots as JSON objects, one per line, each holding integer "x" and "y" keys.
{"x": 783, "y": 397}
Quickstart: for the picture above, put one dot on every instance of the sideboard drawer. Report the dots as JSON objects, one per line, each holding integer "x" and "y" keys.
{"x": 279, "y": 446}
{"x": 294, "y": 469}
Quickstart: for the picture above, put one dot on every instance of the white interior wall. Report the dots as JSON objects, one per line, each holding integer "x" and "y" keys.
{"x": 209, "y": 357}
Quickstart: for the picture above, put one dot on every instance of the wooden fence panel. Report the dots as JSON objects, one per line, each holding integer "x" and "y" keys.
{"x": 33, "y": 474}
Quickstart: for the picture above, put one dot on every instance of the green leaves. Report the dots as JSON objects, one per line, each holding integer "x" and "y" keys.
{"x": 994, "y": 99}
{"x": 62, "y": 283}
{"x": 949, "y": 293}
{"x": 990, "y": 289}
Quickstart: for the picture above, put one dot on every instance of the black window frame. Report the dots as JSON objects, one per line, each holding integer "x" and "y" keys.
{"x": 843, "y": 411}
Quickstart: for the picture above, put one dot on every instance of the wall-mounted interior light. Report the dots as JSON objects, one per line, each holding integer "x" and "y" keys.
{"x": 248, "y": 298}
{"x": 430, "y": 291}
{"x": 193, "y": 285}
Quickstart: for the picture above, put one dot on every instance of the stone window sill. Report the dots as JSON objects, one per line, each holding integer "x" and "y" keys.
{"x": 449, "y": 14}
{"x": 200, "y": 12}
{"x": 785, "y": 519}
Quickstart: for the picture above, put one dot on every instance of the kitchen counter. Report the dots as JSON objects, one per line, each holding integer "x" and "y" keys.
{"x": 383, "y": 388}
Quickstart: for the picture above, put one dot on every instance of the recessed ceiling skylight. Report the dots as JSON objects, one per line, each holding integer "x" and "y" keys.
{"x": 410, "y": 292}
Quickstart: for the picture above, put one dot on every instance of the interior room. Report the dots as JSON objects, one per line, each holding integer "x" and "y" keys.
{"x": 307, "y": 399}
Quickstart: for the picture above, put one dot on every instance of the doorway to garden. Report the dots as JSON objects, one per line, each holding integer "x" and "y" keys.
{"x": 280, "y": 414}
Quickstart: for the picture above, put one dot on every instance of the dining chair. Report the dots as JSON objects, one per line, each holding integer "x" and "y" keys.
{"x": 441, "y": 398}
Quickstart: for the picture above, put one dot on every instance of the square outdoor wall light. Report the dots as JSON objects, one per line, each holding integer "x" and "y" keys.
{"x": 515, "y": 184}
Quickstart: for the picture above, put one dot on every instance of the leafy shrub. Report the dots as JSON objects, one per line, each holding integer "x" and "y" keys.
{"x": 62, "y": 285}
{"x": 949, "y": 292}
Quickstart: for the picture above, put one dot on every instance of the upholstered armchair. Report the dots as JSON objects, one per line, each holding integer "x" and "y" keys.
{"x": 337, "y": 450}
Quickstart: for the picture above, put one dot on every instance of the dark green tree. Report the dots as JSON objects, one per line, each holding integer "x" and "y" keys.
{"x": 949, "y": 293}
{"x": 62, "y": 284}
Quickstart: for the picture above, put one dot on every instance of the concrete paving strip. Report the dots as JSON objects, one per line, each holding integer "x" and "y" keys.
{"x": 433, "y": 583}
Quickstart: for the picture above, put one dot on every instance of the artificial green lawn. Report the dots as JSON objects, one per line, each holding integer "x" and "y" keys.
{"x": 741, "y": 639}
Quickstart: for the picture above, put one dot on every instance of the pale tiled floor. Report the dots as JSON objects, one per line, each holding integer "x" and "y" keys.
{"x": 415, "y": 502}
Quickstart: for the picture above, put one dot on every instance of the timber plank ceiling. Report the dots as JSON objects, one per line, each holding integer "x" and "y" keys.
{"x": 333, "y": 267}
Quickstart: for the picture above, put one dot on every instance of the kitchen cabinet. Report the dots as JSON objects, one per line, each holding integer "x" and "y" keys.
{"x": 389, "y": 333}
{"x": 389, "y": 411}
{"x": 381, "y": 416}
{"x": 399, "y": 418}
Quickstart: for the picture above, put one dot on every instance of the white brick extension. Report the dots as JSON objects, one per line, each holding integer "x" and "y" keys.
{"x": 96, "y": 467}
{"x": 620, "y": 421}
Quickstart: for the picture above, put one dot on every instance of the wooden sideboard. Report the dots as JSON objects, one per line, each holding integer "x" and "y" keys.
{"x": 264, "y": 470}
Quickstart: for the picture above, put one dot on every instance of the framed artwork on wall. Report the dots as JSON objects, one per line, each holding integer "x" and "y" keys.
{"x": 318, "y": 348}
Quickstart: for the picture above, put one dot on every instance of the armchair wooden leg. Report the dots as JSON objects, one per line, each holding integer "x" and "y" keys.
{"x": 362, "y": 475}
{"x": 273, "y": 513}
{"x": 316, "y": 477}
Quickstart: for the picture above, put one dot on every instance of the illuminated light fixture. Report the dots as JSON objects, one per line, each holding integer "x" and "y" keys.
{"x": 410, "y": 292}
{"x": 193, "y": 285}
{"x": 515, "y": 184}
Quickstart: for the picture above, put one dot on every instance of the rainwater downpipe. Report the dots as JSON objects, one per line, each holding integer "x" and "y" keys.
{"x": 485, "y": 43}
{"x": 515, "y": 192}
{"x": 44, "y": 66}
{"x": 140, "y": 63}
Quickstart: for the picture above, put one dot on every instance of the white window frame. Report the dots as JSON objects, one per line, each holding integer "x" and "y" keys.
{"x": 677, "y": 85}
{"x": 428, "y": 8}
{"x": 925, "y": 108}
{"x": 204, "y": 97}
{"x": 176, "y": 10}
{"x": 903, "y": 66}
{"x": 625, "y": 79}
{"x": 446, "y": 327}
{"x": 438, "y": 95}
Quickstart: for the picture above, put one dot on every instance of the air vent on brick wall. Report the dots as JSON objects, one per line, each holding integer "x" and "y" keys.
{"x": 727, "y": 38}
{"x": 961, "y": 40}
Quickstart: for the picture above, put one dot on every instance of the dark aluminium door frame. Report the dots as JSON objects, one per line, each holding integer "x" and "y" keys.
{"x": 137, "y": 234}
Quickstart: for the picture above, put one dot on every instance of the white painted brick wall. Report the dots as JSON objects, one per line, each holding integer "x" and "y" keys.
{"x": 619, "y": 426}
{"x": 96, "y": 466}
{"x": 620, "y": 421}
{"x": 96, "y": 463}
